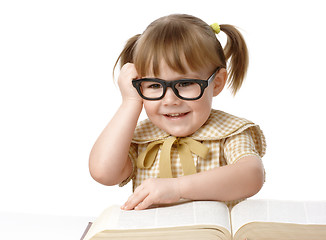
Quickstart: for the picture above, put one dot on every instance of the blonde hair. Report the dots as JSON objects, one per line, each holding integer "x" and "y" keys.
{"x": 183, "y": 40}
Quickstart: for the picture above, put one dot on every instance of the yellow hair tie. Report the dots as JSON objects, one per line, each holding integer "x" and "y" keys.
{"x": 216, "y": 28}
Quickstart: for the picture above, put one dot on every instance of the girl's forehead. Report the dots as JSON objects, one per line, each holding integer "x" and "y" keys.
{"x": 166, "y": 72}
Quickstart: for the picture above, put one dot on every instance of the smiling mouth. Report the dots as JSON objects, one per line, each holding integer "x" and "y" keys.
{"x": 175, "y": 115}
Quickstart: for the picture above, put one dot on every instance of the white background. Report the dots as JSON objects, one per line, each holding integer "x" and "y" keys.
{"x": 57, "y": 94}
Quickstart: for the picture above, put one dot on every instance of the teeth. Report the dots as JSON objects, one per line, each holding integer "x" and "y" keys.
{"x": 175, "y": 114}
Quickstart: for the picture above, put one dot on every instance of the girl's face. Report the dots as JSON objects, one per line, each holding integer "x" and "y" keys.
{"x": 179, "y": 117}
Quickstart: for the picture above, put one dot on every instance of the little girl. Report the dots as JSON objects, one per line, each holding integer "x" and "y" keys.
{"x": 185, "y": 149}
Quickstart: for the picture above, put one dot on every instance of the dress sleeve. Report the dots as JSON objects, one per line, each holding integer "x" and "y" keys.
{"x": 241, "y": 145}
{"x": 133, "y": 154}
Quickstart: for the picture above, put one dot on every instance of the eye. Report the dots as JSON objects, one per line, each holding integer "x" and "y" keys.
{"x": 185, "y": 84}
{"x": 151, "y": 85}
{"x": 154, "y": 86}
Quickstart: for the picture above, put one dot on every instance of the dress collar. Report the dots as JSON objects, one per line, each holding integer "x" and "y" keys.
{"x": 219, "y": 125}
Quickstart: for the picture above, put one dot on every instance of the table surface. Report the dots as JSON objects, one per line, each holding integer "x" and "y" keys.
{"x": 17, "y": 226}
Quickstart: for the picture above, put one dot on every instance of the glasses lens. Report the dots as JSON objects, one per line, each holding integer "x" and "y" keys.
{"x": 151, "y": 89}
{"x": 188, "y": 89}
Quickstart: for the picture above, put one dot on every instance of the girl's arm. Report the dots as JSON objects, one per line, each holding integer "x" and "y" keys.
{"x": 231, "y": 182}
{"x": 109, "y": 163}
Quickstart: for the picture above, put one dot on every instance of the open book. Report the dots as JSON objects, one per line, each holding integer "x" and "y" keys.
{"x": 250, "y": 219}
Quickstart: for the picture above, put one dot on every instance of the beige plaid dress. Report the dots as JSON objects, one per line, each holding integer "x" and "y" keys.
{"x": 228, "y": 138}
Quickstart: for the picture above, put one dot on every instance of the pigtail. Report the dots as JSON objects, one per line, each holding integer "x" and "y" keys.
{"x": 127, "y": 53}
{"x": 236, "y": 53}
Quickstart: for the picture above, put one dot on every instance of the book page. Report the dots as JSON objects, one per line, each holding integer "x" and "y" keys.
{"x": 298, "y": 212}
{"x": 108, "y": 218}
{"x": 176, "y": 215}
{"x": 183, "y": 214}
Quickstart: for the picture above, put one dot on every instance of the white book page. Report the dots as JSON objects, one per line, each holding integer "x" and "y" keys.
{"x": 185, "y": 214}
{"x": 310, "y": 212}
{"x": 108, "y": 219}
{"x": 182, "y": 214}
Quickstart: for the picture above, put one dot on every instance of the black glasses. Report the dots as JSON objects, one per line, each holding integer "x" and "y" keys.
{"x": 186, "y": 89}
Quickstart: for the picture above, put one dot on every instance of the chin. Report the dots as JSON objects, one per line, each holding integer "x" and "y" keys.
{"x": 179, "y": 133}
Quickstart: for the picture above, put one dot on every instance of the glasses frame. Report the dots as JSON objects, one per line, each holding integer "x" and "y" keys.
{"x": 202, "y": 83}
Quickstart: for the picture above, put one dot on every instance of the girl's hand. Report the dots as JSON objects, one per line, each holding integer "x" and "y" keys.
{"x": 153, "y": 191}
{"x": 127, "y": 74}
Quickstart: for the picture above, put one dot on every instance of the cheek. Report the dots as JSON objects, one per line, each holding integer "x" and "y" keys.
{"x": 151, "y": 107}
{"x": 205, "y": 102}
{"x": 202, "y": 109}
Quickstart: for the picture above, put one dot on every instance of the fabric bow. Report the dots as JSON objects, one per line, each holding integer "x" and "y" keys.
{"x": 185, "y": 146}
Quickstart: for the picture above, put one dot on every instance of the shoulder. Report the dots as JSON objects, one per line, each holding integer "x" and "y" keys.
{"x": 222, "y": 125}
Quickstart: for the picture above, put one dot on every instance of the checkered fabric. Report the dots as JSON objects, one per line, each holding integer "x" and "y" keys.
{"x": 229, "y": 138}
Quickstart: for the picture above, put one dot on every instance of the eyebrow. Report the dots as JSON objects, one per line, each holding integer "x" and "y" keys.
{"x": 185, "y": 77}
{"x": 180, "y": 78}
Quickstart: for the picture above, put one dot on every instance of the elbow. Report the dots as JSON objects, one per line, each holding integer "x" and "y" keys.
{"x": 256, "y": 179}
{"x": 255, "y": 188}
{"x": 108, "y": 175}
{"x": 103, "y": 177}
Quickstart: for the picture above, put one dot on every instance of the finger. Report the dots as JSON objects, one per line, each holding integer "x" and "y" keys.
{"x": 148, "y": 201}
{"x": 137, "y": 190}
{"x": 135, "y": 199}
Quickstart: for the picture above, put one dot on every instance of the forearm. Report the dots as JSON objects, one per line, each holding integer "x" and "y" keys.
{"x": 231, "y": 182}
{"x": 108, "y": 162}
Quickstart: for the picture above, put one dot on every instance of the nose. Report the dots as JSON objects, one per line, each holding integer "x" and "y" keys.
{"x": 170, "y": 98}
